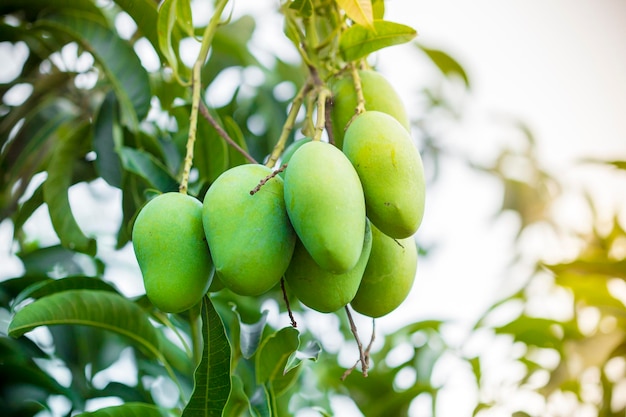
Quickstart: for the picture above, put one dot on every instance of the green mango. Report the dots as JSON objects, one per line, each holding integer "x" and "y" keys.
{"x": 378, "y": 93}
{"x": 250, "y": 236}
{"x": 391, "y": 171}
{"x": 322, "y": 290}
{"x": 388, "y": 276}
{"x": 172, "y": 251}
{"x": 326, "y": 206}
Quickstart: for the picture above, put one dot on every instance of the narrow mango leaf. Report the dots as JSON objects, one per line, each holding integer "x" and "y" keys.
{"x": 51, "y": 286}
{"x": 212, "y": 377}
{"x": 129, "y": 410}
{"x": 149, "y": 168}
{"x": 378, "y": 8}
{"x": 250, "y": 335}
{"x": 446, "y": 64}
{"x": 359, "y": 41}
{"x": 105, "y": 142}
{"x": 238, "y": 401}
{"x": 533, "y": 331}
{"x": 234, "y": 156}
{"x": 273, "y": 354}
{"x": 210, "y": 152}
{"x": 70, "y": 146}
{"x": 360, "y": 11}
{"x": 115, "y": 56}
{"x": 166, "y": 24}
{"x": 183, "y": 16}
{"x": 607, "y": 267}
{"x": 100, "y": 309}
{"x": 44, "y": 261}
{"x": 260, "y": 402}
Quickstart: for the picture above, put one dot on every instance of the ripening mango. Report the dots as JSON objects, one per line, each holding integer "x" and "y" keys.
{"x": 388, "y": 277}
{"x": 322, "y": 290}
{"x": 391, "y": 172}
{"x": 378, "y": 93}
{"x": 250, "y": 236}
{"x": 172, "y": 251}
{"x": 325, "y": 203}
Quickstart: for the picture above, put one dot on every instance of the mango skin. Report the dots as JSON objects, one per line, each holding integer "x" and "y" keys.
{"x": 388, "y": 276}
{"x": 322, "y": 290}
{"x": 391, "y": 171}
{"x": 378, "y": 93}
{"x": 250, "y": 236}
{"x": 172, "y": 251}
{"x": 290, "y": 150}
{"x": 325, "y": 203}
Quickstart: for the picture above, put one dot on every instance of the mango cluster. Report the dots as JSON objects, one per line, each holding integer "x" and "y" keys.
{"x": 337, "y": 223}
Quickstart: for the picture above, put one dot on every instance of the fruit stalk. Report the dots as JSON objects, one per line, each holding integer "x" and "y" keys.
{"x": 322, "y": 97}
{"x": 289, "y": 123}
{"x": 220, "y": 131}
{"x": 196, "y": 85}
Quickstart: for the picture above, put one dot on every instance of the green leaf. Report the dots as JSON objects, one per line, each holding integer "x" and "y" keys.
{"x": 51, "y": 286}
{"x": 166, "y": 24}
{"x": 250, "y": 335}
{"x": 274, "y": 353}
{"x": 149, "y": 168}
{"x": 70, "y": 146}
{"x": 238, "y": 401}
{"x": 117, "y": 58}
{"x": 100, "y": 309}
{"x": 183, "y": 16}
{"x": 304, "y": 7}
{"x": 583, "y": 267}
{"x": 359, "y": 41}
{"x": 144, "y": 13}
{"x": 212, "y": 376}
{"x": 533, "y": 331}
{"x": 360, "y": 11}
{"x": 129, "y": 410}
{"x": 106, "y": 137}
{"x": 57, "y": 259}
{"x": 311, "y": 351}
{"x": 234, "y": 156}
{"x": 446, "y": 64}
{"x": 378, "y": 8}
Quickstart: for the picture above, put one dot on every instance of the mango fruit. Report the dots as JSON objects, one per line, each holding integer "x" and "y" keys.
{"x": 290, "y": 150}
{"x": 325, "y": 204}
{"x": 323, "y": 290}
{"x": 388, "y": 276}
{"x": 172, "y": 251}
{"x": 378, "y": 93}
{"x": 390, "y": 170}
{"x": 250, "y": 236}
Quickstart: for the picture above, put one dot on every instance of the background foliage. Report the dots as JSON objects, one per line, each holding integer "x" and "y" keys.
{"x": 86, "y": 108}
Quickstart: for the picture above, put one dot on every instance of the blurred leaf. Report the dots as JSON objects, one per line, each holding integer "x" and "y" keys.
{"x": 378, "y": 9}
{"x": 51, "y": 286}
{"x": 446, "y": 64}
{"x": 149, "y": 168}
{"x": 584, "y": 268}
{"x": 360, "y": 11}
{"x": 534, "y": 331}
{"x": 106, "y": 139}
{"x": 144, "y": 13}
{"x": 250, "y": 335}
{"x": 234, "y": 156}
{"x": 71, "y": 144}
{"x": 212, "y": 376}
{"x": 129, "y": 410}
{"x": 303, "y": 7}
{"x": 100, "y": 309}
{"x": 183, "y": 16}
{"x": 311, "y": 351}
{"x": 238, "y": 402}
{"x": 618, "y": 164}
{"x": 359, "y": 41}
{"x": 166, "y": 23}
{"x": 117, "y": 58}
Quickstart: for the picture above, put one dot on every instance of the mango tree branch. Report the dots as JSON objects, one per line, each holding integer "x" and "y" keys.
{"x": 220, "y": 131}
{"x": 196, "y": 85}
{"x": 288, "y": 126}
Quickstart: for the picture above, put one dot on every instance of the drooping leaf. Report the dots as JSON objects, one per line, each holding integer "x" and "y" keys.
{"x": 101, "y": 309}
{"x": 129, "y": 410}
{"x": 360, "y": 11}
{"x": 212, "y": 376}
{"x": 359, "y": 41}
{"x": 274, "y": 352}
{"x": 311, "y": 351}
{"x": 183, "y": 16}
{"x": 72, "y": 143}
{"x": 238, "y": 401}
{"x": 166, "y": 25}
{"x": 149, "y": 168}
{"x": 51, "y": 286}
{"x": 250, "y": 335}
{"x": 106, "y": 138}
{"x": 446, "y": 63}
{"x": 116, "y": 57}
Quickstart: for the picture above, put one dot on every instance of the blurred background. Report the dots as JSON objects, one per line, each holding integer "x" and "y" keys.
{"x": 519, "y": 109}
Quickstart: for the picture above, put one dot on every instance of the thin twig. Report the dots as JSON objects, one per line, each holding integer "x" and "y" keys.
{"x": 266, "y": 179}
{"x": 205, "y": 113}
{"x": 293, "y": 320}
{"x": 362, "y": 357}
{"x": 329, "y": 123}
